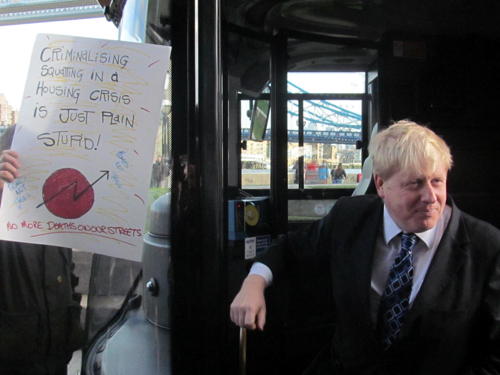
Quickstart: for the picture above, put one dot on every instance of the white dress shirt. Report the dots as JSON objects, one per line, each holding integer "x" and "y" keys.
{"x": 386, "y": 250}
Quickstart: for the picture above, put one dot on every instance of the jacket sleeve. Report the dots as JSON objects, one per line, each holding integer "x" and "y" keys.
{"x": 489, "y": 361}
{"x": 308, "y": 249}
{"x": 311, "y": 249}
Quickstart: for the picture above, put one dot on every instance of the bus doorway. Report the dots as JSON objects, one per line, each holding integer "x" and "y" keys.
{"x": 321, "y": 119}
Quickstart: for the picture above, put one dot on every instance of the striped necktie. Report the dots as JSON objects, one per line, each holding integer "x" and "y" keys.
{"x": 395, "y": 300}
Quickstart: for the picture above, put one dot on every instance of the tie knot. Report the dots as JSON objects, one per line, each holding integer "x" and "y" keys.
{"x": 408, "y": 241}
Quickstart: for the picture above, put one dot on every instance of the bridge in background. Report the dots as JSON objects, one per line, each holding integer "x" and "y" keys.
{"x": 343, "y": 125}
{"x": 315, "y": 136}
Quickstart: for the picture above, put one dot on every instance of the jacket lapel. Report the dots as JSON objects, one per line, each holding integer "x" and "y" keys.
{"x": 361, "y": 259}
{"x": 447, "y": 260}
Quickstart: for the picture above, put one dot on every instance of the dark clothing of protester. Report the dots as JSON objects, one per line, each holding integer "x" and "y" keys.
{"x": 453, "y": 325}
{"x": 39, "y": 310}
{"x": 296, "y": 168}
{"x": 157, "y": 173}
{"x": 338, "y": 175}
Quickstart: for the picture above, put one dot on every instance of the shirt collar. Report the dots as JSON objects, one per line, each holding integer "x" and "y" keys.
{"x": 391, "y": 229}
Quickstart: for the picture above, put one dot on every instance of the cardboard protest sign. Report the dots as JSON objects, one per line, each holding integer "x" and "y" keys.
{"x": 85, "y": 137}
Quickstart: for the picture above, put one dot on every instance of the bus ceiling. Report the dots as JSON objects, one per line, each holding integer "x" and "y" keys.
{"x": 337, "y": 35}
{"x": 334, "y": 35}
{"x": 349, "y": 22}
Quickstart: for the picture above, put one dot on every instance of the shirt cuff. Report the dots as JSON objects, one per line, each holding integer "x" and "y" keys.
{"x": 262, "y": 270}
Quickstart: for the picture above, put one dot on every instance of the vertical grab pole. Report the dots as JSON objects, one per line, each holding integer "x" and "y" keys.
{"x": 243, "y": 351}
{"x": 279, "y": 133}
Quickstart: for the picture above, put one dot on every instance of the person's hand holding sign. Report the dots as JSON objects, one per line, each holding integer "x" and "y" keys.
{"x": 9, "y": 165}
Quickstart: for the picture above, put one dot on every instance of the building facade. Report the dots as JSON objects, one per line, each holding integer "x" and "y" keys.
{"x": 8, "y": 116}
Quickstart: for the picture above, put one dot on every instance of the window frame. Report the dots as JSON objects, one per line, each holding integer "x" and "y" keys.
{"x": 302, "y": 192}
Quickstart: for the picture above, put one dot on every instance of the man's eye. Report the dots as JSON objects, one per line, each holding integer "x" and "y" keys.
{"x": 412, "y": 184}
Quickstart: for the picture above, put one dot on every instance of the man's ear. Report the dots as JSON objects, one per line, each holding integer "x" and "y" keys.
{"x": 379, "y": 182}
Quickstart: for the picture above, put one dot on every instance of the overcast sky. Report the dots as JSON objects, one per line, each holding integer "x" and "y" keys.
{"x": 17, "y": 43}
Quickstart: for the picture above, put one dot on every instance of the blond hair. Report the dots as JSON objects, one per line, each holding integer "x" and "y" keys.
{"x": 406, "y": 145}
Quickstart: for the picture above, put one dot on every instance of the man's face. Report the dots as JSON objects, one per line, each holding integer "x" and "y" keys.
{"x": 414, "y": 200}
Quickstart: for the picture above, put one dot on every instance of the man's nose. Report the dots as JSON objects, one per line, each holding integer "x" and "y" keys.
{"x": 428, "y": 193}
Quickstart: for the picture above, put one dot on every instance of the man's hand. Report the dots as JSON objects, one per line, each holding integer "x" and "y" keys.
{"x": 9, "y": 165}
{"x": 248, "y": 309}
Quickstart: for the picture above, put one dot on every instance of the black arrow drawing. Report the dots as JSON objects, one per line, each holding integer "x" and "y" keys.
{"x": 76, "y": 196}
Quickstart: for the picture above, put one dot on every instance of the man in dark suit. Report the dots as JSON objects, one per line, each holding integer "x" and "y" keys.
{"x": 415, "y": 281}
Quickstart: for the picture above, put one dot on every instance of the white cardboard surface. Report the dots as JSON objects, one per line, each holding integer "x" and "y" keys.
{"x": 85, "y": 136}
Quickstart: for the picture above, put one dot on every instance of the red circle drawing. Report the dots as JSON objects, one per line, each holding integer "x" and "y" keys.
{"x": 67, "y": 193}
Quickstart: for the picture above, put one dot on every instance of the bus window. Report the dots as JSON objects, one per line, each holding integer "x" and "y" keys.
{"x": 329, "y": 131}
{"x": 324, "y": 132}
{"x": 324, "y": 129}
{"x": 256, "y": 152}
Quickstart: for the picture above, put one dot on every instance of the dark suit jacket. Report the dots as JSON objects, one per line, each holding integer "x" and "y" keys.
{"x": 39, "y": 309}
{"x": 453, "y": 326}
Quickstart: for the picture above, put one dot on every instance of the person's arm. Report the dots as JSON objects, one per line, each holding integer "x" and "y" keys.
{"x": 305, "y": 249}
{"x": 248, "y": 309}
{"x": 489, "y": 363}
{"x": 492, "y": 301}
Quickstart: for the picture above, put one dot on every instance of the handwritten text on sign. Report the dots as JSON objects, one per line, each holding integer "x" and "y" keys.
{"x": 85, "y": 136}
